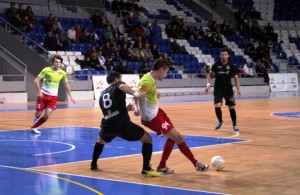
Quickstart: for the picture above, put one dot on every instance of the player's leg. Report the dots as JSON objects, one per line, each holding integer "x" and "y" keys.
{"x": 218, "y": 104}
{"x": 43, "y": 118}
{"x": 104, "y": 138}
{"x": 48, "y": 103}
{"x": 161, "y": 126}
{"x": 40, "y": 106}
{"x": 134, "y": 132}
{"x": 230, "y": 102}
{"x": 98, "y": 148}
{"x": 174, "y": 135}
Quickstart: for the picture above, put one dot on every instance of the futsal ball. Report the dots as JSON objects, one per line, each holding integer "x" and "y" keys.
{"x": 218, "y": 163}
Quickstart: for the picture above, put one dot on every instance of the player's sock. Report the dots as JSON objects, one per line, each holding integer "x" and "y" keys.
{"x": 219, "y": 114}
{"x": 98, "y": 148}
{"x": 233, "y": 116}
{"x": 166, "y": 153}
{"x": 184, "y": 149}
{"x": 147, "y": 153}
{"x": 38, "y": 122}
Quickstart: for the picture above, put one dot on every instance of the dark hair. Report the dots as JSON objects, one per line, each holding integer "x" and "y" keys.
{"x": 56, "y": 57}
{"x": 160, "y": 63}
{"x": 112, "y": 76}
{"x": 225, "y": 49}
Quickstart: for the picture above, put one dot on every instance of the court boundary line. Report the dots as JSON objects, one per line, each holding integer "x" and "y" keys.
{"x": 138, "y": 183}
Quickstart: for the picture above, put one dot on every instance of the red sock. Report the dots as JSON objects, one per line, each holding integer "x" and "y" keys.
{"x": 184, "y": 149}
{"x": 38, "y": 123}
{"x": 166, "y": 153}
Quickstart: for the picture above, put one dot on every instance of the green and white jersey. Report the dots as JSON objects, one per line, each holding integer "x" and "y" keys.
{"x": 51, "y": 79}
{"x": 148, "y": 105}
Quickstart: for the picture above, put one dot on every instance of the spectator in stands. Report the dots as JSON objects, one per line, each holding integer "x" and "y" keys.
{"x": 72, "y": 34}
{"x": 30, "y": 14}
{"x": 156, "y": 33}
{"x": 27, "y": 24}
{"x": 250, "y": 50}
{"x": 48, "y": 23}
{"x": 147, "y": 32}
{"x": 104, "y": 20}
{"x": 132, "y": 53}
{"x": 168, "y": 61}
{"x": 138, "y": 30}
{"x": 10, "y": 12}
{"x": 204, "y": 71}
{"x": 124, "y": 55}
{"x": 143, "y": 69}
{"x": 241, "y": 71}
{"x": 139, "y": 50}
{"x": 79, "y": 33}
{"x": 21, "y": 11}
{"x": 101, "y": 62}
{"x": 108, "y": 50}
{"x": 128, "y": 23}
{"x": 96, "y": 20}
{"x": 147, "y": 52}
{"x": 50, "y": 42}
{"x": 56, "y": 25}
{"x": 94, "y": 38}
{"x": 155, "y": 51}
{"x": 249, "y": 70}
{"x": 85, "y": 36}
{"x": 62, "y": 40}
{"x": 109, "y": 64}
{"x": 216, "y": 41}
{"x": 16, "y": 21}
{"x": 262, "y": 51}
{"x": 106, "y": 34}
{"x": 261, "y": 70}
{"x": 116, "y": 33}
{"x": 123, "y": 69}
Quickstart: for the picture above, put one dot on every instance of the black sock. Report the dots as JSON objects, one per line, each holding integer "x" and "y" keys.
{"x": 98, "y": 148}
{"x": 147, "y": 153}
{"x": 233, "y": 116}
{"x": 219, "y": 114}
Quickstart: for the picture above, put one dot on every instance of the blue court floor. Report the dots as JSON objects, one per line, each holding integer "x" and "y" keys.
{"x": 21, "y": 151}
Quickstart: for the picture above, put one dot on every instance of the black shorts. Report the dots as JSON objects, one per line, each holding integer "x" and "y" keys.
{"x": 129, "y": 132}
{"x": 227, "y": 95}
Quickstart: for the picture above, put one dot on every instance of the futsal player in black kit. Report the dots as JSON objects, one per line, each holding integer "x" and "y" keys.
{"x": 116, "y": 121}
{"x": 224, "y": 71}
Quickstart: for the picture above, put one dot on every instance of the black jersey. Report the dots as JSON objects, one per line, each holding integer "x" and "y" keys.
{"x": 224, "y": 73}
{"x": 113, "y": 104}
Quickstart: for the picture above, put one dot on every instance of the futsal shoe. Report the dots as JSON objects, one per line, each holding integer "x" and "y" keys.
{"x": 151, "y": 173}
{"x": 236, "y": 129}
{"x": 35, "y": 131}
{"x": 219, "y": 125}
{"x": 201, "y": 167}
{"x": 165, "y": 170}
{"x": 94, "y": 167}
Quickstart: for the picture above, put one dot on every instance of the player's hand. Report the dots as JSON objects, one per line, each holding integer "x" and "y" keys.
{"x": 130, "y": 107}
{"x": 239, "y": 93}
{"x": 72, "y": 99}
{"x": 207, "y": 88}
{"x": 157, "y": 94}
{"x": 40, "y": 94}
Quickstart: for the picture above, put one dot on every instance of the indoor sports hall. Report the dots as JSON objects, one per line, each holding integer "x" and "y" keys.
{"x": 263, "y": 159}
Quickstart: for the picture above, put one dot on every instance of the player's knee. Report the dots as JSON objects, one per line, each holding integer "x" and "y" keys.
{"x": 147, "y": 138}
{"x": 101, "y": 141}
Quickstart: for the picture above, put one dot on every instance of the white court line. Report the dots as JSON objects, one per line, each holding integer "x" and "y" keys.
{"x": 49, "y": 153}
{"x": 100, "y": 178}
